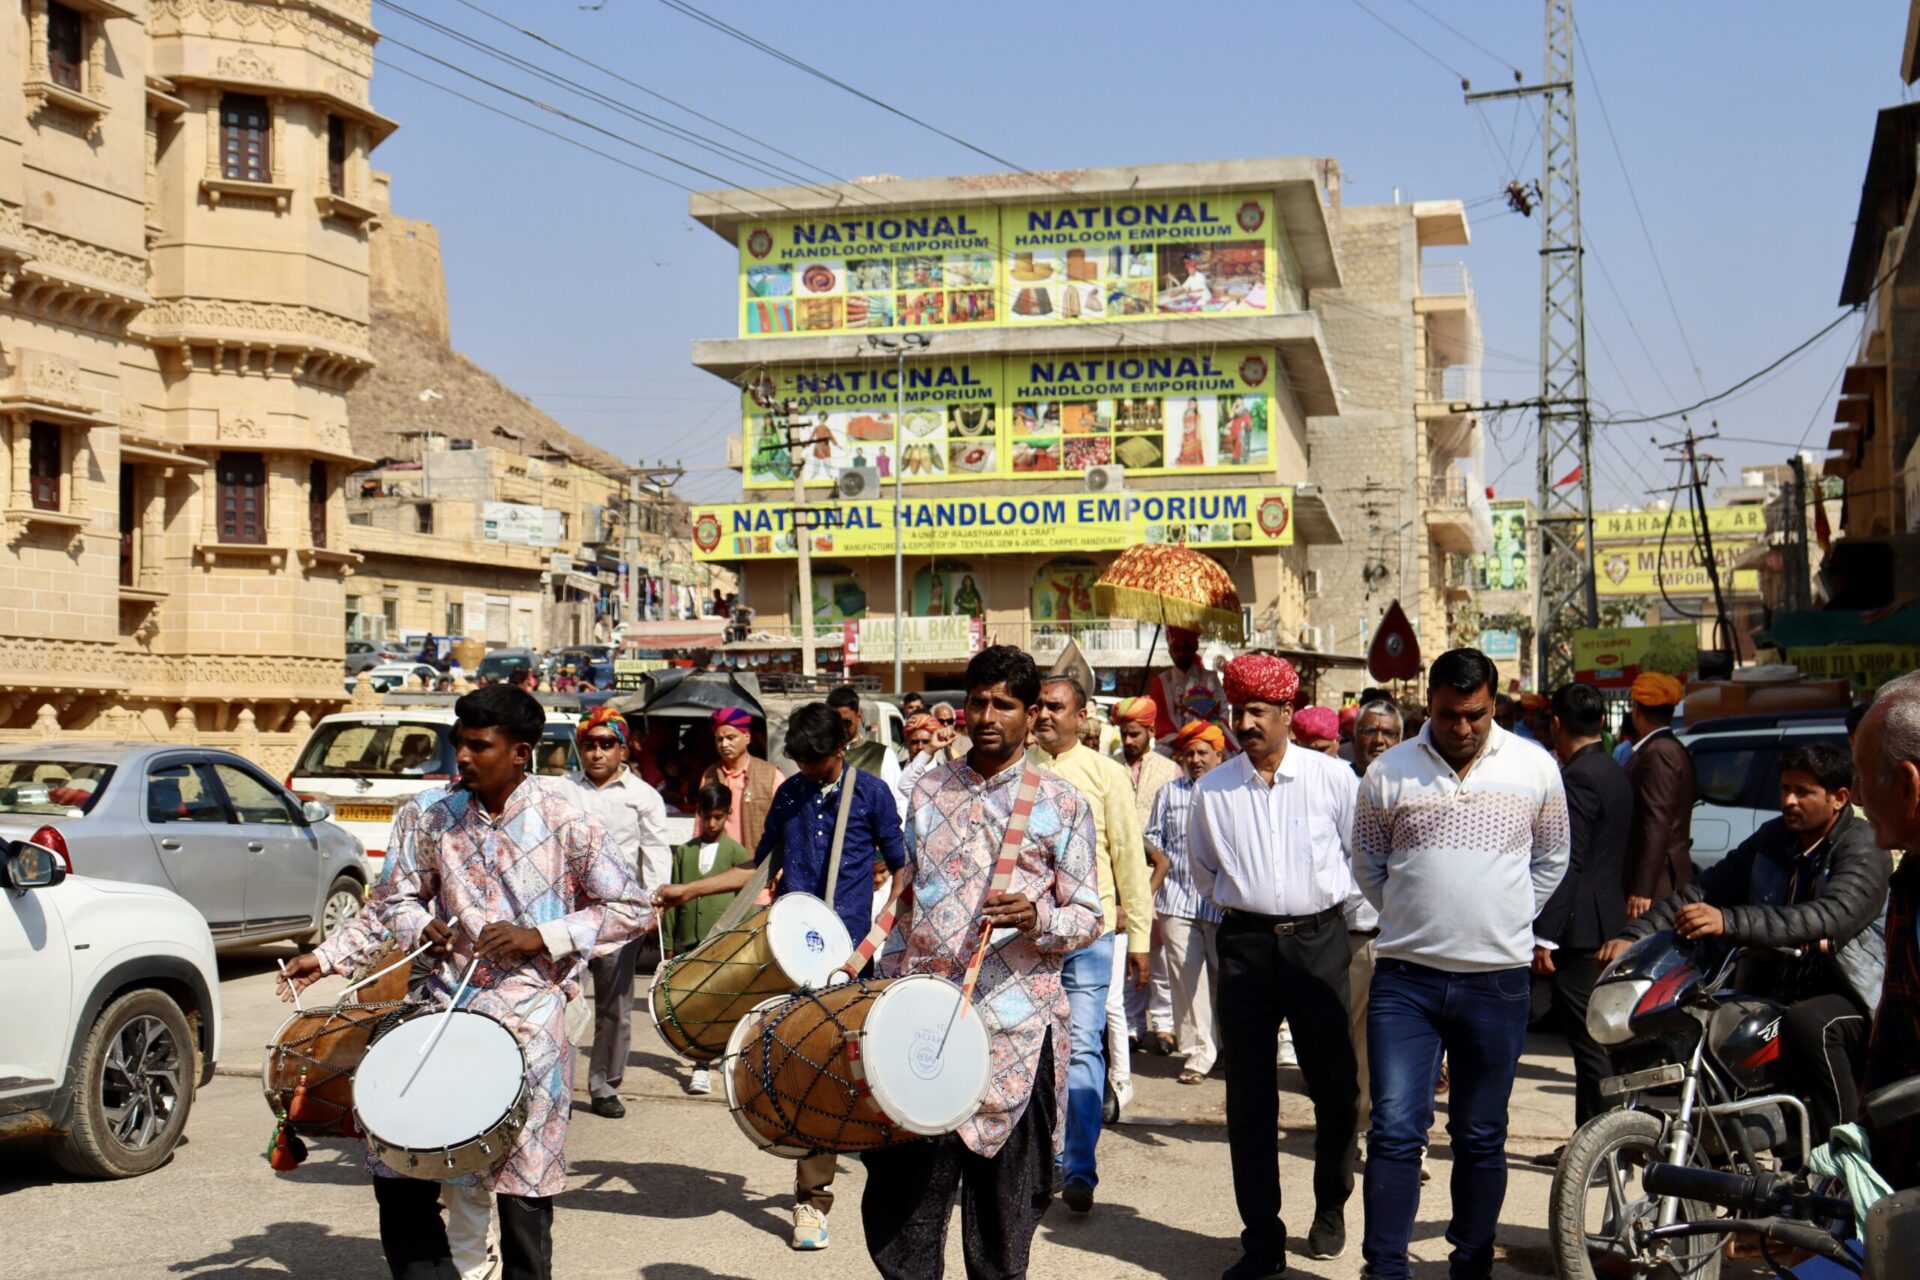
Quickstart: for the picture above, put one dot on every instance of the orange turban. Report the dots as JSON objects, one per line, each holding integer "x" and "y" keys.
{"x": 1533, "y": 701}
{"x": 1200, "y": 731}
{"x": 602, "y": 717}
{"x": 1140, "y": 709}
{"x": 920, "y": 721}
{"x": 1260, "y": 677}
{"x": 1657, "y": 689}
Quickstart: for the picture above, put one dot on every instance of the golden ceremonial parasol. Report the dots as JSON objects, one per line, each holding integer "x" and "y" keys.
{"x": 1171, "y": 585}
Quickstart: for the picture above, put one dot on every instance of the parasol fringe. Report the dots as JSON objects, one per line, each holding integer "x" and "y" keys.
{"x": 1151, "y": 606}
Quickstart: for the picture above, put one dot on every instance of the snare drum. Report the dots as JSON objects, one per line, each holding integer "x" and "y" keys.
{"x": 697, "y": 998}
{"x": 456, "y": 1111}
{"x": 858, "y": 1066}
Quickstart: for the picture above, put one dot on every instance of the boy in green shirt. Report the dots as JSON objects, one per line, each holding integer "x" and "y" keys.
{"x": 710, "y": 850}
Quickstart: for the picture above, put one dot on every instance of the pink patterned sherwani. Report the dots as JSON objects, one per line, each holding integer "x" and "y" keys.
{"x": 954, "y": 828}
{"x": 546, "y": 864}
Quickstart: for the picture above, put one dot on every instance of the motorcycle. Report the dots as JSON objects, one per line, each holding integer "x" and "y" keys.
{"x": 1700, "y": 1085}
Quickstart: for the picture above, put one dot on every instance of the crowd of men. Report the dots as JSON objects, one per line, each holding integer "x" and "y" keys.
{"x": 1385, "y": 883}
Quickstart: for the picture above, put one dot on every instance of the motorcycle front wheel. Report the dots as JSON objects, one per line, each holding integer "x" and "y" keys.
{"x": 1598, "y": 1208}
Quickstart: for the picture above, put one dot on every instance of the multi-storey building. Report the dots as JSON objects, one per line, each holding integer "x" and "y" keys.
{"x": 184, "y": 200}
{"x": 1091, "y": 358}
{"x": 1401, "y": 467}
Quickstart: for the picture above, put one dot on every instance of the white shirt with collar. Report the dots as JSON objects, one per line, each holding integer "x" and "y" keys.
{"x": 1279, "y": 849}
{"x": 636, "y": 817}
{"x": 1460, "y": 864}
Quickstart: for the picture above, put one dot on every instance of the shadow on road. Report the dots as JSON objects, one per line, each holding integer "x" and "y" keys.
{"x": 673, "y": 1191}
{"x": 303, "y": 1249}
{"x": 247, "y": 962}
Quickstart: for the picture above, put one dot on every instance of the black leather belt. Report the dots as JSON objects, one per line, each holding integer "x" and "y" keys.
{"x": 1283, "y": 925}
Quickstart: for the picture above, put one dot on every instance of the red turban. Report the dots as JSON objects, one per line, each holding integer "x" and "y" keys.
{"x": 1315, "y": 723}
{"x": 1182, "y": 633}
{"x": 1260, "y": 677}
{"x": 733, "y": 718}
{"x": 1200, "y": 731}
{"x": 1140, "y": 709}
{"x": 1348, "y": 715}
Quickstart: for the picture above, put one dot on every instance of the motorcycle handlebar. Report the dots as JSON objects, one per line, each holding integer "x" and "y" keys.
{"x": 1799, "y": 1235}
{"x": 1755, "y": 1196}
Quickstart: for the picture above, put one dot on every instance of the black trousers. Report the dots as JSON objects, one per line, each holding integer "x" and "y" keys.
{"x": 1822, "y": 1042}
{"x": 1301, "y": 977}
{"x": 1574, "y": 973}
{"x": 911, "y": 1189}
{"x": 414, "y": 1237}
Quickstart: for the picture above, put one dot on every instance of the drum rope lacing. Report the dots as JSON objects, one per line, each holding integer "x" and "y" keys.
{"x": 787, "y": 1110}
{"x": 298, "y": 1049}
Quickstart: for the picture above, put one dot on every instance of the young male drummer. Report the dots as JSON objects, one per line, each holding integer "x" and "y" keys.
{"x": 800, "y": 825}
{"x": 505, "y": 866}
{"x": 957, "y": 823}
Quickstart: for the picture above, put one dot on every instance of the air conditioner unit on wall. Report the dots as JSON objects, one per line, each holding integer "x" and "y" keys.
{"x": 1313, "y": 638}
{"x": 857, "y": 484}
{"x": 1107, "y": 479}
{"x": 1310, "y": 583}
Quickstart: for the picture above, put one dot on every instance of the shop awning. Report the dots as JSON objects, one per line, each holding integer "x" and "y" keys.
{"x": 769, "y": 642}
{"x": 655, "y": 638}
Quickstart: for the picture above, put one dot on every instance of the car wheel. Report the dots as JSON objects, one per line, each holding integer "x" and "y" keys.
{"x": 344, "y": 899}
{"x": 134, "y": 1080}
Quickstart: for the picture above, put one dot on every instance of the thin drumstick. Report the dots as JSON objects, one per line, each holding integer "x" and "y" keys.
{"x": 440, "y": 1030}
{"x": 290, "y": 987}
{"x": 375, "y": 977}
{"x": 1029, "y": 790}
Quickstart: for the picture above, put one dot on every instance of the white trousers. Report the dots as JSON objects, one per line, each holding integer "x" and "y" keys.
{"x": 1119, "y": 1057}
{"x": 471, "y": 1235}
{"x": 1189, "y": 962}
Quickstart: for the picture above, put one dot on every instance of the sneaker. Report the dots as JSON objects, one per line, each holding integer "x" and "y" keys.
{"x": 700, "y": 1082}
{"x": 1288, "y": 1058}
{"x": 1078, "y": 1195}
{"x": 1327, "y": 1238}
{"x": 1122, "y": 1095}
{"x": 809, "y": 1227}
{"x": 1426, "y": 1173}
{"x": 1252, "y": 1268}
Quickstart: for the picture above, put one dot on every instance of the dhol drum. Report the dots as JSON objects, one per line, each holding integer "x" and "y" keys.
{"x": 453, "y": 1111}
{"x": 307, "y": 1071}
{"x": 857, "y": 1066}
{"x": 697, "y": 998}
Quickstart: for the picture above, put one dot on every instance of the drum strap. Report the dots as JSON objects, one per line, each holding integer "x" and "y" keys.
{"x": 848, "y": 777}
{"x": 1003, "y": 870}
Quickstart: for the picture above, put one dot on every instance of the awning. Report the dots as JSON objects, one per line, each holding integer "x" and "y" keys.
{"x": 636, "y": 638}
{"x": 766, "y": 642}
{"x": 1807, "y": 629}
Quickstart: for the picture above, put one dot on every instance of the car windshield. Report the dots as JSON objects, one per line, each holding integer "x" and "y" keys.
{"x": 378, "y": 749}
{"x": 556, "y": 754}
{"x": 56, "y": 788}
{"x": 496, "y": 666}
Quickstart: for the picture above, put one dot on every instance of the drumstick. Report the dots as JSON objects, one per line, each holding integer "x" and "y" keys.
{"x": 375, "y": 977}
{"x": 290, "y": 987}
{"x": 452, "y": 1008}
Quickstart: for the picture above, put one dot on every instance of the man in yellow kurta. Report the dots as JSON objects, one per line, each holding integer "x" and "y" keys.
{"x": 1126, "y": 903}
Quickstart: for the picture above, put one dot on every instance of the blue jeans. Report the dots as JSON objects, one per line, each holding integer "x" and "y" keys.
{"x": 1086, "y": 975}
{"x": 1479, "y": 1020}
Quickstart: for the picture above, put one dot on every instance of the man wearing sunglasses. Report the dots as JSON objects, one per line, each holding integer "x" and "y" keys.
{"x": 636, "y": 817}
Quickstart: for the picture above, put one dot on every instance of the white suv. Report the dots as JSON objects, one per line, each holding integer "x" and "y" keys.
{"x": 111, "y": 1010}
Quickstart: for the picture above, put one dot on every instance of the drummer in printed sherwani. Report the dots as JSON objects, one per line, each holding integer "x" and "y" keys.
{"x": 506, "y": 867}
{"x": 1003, "y": 1157}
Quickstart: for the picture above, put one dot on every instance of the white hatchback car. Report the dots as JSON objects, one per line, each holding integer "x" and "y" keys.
{"x": 111, "y": 1006}
{"x": 366, "y": 764}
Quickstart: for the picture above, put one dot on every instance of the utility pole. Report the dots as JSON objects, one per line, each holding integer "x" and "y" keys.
{"x": 899, "y": 347}
{"x": 792, "y": 416}
{"x": 1697, "y": 500}
{"x": 652, "y": 483}
{"x": 1565, "y": 596}
{"x": 1799, "y": 586}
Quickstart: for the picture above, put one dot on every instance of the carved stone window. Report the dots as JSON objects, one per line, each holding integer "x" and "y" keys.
{"x": 241, "y": 494}
{"x": 43, "y": 466}
{"x": 317, "y": 502}
{"x": 66, "y": 47}
{"x": 337, "y": 151}
{"x": 246, "y": 131}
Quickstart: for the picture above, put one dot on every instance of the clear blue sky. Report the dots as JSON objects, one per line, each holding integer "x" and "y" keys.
{"x": 1744, "y": 127}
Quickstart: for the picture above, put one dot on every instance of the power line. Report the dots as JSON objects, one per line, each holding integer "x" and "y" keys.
{"x": 1507, "y": 63}
{"x": 1425, "y": 52}
{"x": 1594, "y": 253}
{"x": 1660, "y": 270}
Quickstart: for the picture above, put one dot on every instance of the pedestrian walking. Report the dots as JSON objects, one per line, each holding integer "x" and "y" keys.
{"x": 1376, "y": 728}
{"x": 1270, "y": 840}
{"x": 1189, "y": 924}
{"x": 1660, "y": 770}
{"x": 1590, "y": 906}
{"x": 1460, "y": 837}
{"x": 1150, "y": 771}
{"x": 711, "y": 850}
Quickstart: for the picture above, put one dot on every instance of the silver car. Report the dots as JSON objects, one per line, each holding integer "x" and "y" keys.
{"x": 260, "y": 865}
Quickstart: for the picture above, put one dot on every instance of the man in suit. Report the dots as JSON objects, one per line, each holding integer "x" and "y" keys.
{"x": 1660, "y": 771}
{"x": 1590, "y": 906}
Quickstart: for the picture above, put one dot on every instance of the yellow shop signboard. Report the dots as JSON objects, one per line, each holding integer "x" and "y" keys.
{"x": 1643, "y": 568}
{"x": 1201, "y": 518}
{"x": 1736, "y": 524}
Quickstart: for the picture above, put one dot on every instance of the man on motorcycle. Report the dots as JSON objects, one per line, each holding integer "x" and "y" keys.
{"x": 1812, "y": 880}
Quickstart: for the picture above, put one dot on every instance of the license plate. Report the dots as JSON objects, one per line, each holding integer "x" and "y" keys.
{"x": 363, "y": 813}
{"x": 1672, "y": 1073}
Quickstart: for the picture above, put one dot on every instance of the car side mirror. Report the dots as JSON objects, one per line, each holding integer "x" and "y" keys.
{"x": 32, "y": 866}
{"x": 315, "y": 811}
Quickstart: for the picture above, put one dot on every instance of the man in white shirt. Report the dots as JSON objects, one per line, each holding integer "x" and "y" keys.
{"x": 636, "y": 817}
{"x": 1269, "y": 838}
{"x": 1460, "y": 836}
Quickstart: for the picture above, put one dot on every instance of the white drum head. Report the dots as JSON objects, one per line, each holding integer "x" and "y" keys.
{"x": 807, "y": 940}
{"x": 749, "y": 1026}
{"x": 923, "y": 1087}
{"x": 462, "y": 1088}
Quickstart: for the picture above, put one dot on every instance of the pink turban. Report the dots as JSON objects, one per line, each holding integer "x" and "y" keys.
{"x": 1261, "y": 677}
{"x": 1142, "y": 709}
{"x": 733, "y": 718}
{"x": 1312, "y": 724}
